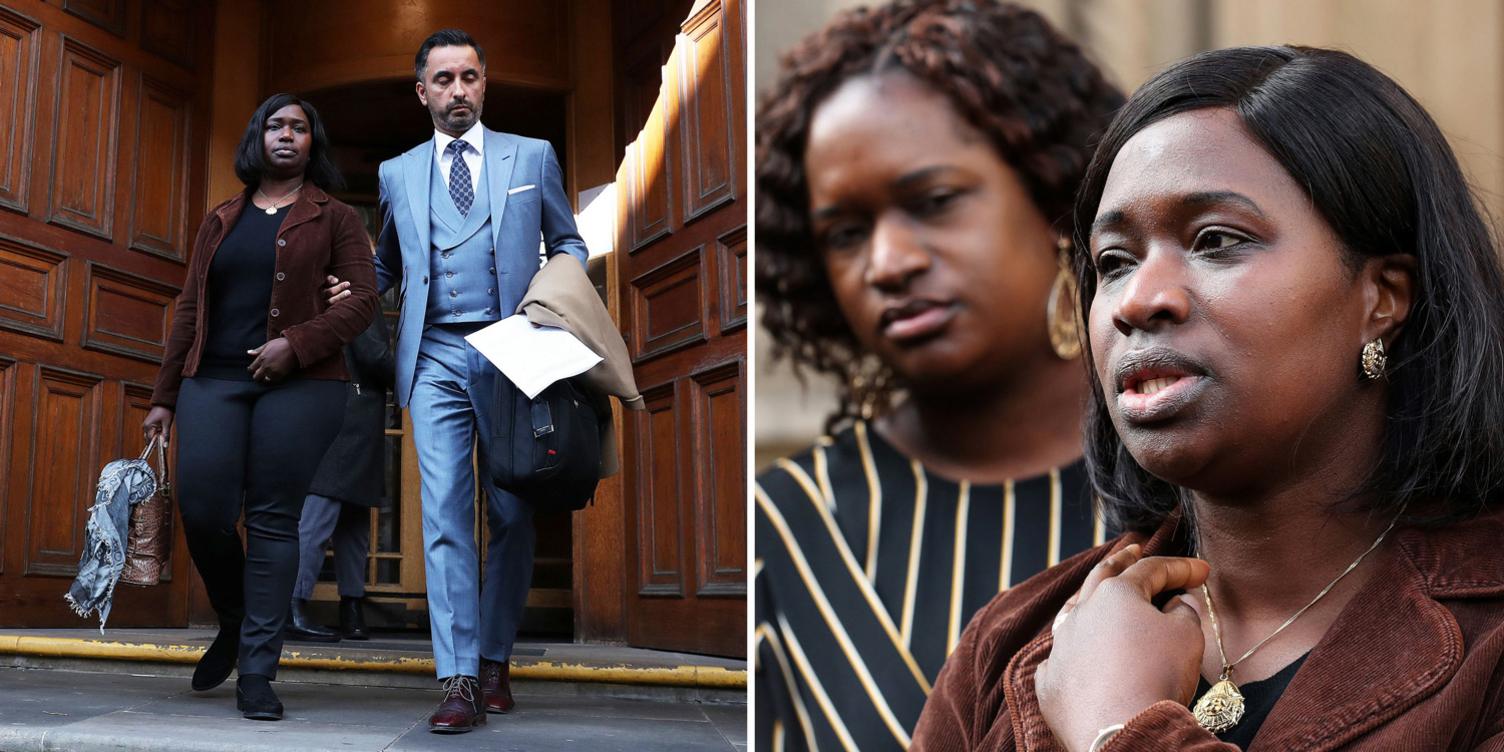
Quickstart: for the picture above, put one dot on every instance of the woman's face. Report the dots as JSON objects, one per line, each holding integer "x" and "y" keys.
{"x": 286, "y": 142}
{"x": 937, "y": 257}
{"x": 1226, "y": 327}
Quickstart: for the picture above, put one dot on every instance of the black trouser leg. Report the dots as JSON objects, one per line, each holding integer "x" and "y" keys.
{"x": 242, "y": 444}
{"x": 292, "y": 427}
{"x": 213, "y": 426}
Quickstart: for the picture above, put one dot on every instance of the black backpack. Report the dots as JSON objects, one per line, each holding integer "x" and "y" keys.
{"x": 547, "y": 450}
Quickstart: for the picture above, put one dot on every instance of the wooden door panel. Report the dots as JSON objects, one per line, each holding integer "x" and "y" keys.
{"x": 159, "y": 183}
{"x": 649, "y": 178}
{"x": 667, "y": 307}
{"x": 20, "y": 44}
{"x": 103, "y": 137}
{"x": 32, "y": 281}
{"x": 720, "y": 541}
{"x": 68, "y": 412}
{"x": 709, "y": 138}
{"x": 660, "y": 568}
{"x": 731, "y": 293}
{"x": 84, "y": 158}
{"x": 106, "y": 14}
{"x": 683, "y": 282}
{"x": 126, "y": 314}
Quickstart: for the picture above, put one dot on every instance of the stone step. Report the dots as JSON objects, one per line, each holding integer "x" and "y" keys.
{"x": 393, "y": 660}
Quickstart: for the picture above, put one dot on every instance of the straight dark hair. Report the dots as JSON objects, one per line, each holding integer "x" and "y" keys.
{"x": 250, "y": 157}
{"x": 1382, "y": 175}
{"x": 445, "y": 38}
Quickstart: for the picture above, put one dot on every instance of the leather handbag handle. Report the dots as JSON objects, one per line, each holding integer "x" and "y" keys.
{"x": 159, "y": 467}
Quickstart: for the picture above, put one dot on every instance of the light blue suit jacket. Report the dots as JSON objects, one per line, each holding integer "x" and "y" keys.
{"x": 527, "y": 202}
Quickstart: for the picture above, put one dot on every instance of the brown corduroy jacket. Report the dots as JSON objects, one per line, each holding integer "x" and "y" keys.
{"x": 1412, "y": 663}
{"x": 320, "y": 236}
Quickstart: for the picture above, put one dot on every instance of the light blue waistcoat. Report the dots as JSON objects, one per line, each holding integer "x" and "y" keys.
{"x": 462, "y": 261}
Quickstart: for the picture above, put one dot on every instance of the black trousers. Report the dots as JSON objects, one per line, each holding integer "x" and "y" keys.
{"x": 242, "y": 445}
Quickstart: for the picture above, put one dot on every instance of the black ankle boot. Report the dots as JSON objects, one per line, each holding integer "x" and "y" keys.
{"x": 219, "y": 660}
{"x": 255, "y": 698}
{"x": 300, "y": 627}
{"x": 352, "y": 619}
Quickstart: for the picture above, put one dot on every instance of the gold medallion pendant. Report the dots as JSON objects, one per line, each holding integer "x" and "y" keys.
{"x": 1220, "y": 708}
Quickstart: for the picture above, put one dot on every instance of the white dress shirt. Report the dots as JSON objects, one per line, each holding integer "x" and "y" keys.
{"x": 474, "y": 153}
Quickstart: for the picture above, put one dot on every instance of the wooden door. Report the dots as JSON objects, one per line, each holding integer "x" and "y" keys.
{"x": 103, "y": 115}
{"x": 681, "y": 270}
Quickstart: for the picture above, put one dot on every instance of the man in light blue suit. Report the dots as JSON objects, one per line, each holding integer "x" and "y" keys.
{"x": 462, "y": 216}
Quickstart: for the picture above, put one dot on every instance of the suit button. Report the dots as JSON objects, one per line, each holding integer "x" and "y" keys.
{"x": 489, "y": 311}
{"x": 281, "y": 276}
{"x": 490, "y": 291}
{"x": 445, "y": 254}
{"x": 493, "y": 270}
{"x": 281, "y": 242}
{"x": 449, "y": 274}
{"x": 276, "y": 313}
{"x": 454, "y": 293}
{"x": 425, "y": 279}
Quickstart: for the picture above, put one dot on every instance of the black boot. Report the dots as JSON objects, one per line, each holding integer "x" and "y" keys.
{"x": 300, "y": 627}
{"x": 255, "y": 698}
{"x": 352, "y": 619}
{"x": 219, "y": 660}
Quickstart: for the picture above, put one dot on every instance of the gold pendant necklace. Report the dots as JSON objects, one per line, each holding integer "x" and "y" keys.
{"x": 271, "y": 210}
{"x": 1222, "y": 706}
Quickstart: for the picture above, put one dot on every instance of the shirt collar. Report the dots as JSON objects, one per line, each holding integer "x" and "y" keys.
{"x": 476, "y": 137}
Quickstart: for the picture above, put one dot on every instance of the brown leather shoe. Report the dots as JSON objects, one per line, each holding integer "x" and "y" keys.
{"x": 463, "y": 707}
{"x": 496, "y": 683}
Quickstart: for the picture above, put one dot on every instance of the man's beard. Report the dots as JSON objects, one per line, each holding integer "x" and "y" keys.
{"x": 460, "y": 122}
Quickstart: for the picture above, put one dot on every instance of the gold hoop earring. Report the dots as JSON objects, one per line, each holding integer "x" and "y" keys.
{"x": 1060, "y": 314}
{"x": 1374, "y": 360}
{"x": 868, "y": 387}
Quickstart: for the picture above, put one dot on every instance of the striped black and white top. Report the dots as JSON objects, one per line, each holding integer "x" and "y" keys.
{"x": 868, "y": 566}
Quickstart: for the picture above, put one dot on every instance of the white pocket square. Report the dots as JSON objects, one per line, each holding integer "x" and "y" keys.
{"x": 521, "y": 188}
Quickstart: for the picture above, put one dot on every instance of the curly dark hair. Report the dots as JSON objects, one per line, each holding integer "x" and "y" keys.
{"x": 1032, "y": 92}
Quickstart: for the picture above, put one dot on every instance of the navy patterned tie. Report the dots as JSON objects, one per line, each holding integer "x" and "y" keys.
{"x": 459, "y": 177}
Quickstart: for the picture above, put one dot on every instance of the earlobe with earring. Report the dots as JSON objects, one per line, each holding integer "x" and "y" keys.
{"x": 1374, "y": 360}
{"x": 1060, "y": 310}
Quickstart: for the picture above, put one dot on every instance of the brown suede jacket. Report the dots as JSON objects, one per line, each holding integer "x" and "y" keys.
{"x": 320, "y": 236}
{"x": 1412, "y": 663}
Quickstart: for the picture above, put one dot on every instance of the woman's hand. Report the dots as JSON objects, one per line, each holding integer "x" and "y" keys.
{"x": 274, "y": 361}
{"x": 337, "y": 290}
{"x": 1115, "y": 654}
{"x": 158, "y": 421}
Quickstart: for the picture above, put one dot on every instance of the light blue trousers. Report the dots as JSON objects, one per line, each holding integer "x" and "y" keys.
{"x": 470, "y": 616}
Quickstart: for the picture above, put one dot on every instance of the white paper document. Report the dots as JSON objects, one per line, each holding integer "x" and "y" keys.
{"x": 532, "y": 356}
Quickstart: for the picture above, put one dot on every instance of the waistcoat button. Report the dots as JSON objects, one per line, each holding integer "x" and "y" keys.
{"x": 276, "y": 313}
{"x": 281, "y": 276}
{"x": 281, "y": 242}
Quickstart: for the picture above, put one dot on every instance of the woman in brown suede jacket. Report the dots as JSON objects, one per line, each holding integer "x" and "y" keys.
{"x": 1296, "y": 342}
{"x": 254, "y": 373}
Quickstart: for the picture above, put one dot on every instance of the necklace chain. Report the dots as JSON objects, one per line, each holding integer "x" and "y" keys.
{"x": 277, "y": 203}
{"x": 1217, "y": 631}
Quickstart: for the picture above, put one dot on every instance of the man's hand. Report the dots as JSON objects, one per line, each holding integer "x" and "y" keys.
{"x": 337, "y": 290}
{"x": 274, "y": 361}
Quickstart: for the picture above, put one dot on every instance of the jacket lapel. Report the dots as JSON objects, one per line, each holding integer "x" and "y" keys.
{"x": 416, "y": 171}
{"x": 305, "y": 209}
{"x": 501, "y": 153}
{"x": 1392, "y": 646}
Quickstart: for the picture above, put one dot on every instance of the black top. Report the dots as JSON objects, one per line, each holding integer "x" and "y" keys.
{"x": 240, "y": 292}
{"x": 869, "y": 566}
{"x": 1258, "y": 699}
